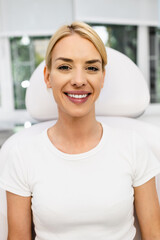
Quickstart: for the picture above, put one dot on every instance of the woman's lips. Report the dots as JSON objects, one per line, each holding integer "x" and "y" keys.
{"x": 77, "y": 96}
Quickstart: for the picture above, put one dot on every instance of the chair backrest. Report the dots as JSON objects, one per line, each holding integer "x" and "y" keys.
{"x": 125, "y": 92}
{"x": 125, "y": 96}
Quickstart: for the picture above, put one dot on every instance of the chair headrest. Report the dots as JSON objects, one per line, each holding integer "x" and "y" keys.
{"x": 125, "y": 92}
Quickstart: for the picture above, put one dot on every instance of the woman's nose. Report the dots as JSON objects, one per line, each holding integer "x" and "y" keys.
{"x": 79, "y": 78}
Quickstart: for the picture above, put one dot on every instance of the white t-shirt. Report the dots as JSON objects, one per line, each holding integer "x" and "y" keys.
{"x": 80, "y": 196}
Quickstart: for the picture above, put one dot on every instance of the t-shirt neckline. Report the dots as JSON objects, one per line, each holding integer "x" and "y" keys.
{"x": 78, "y": 156}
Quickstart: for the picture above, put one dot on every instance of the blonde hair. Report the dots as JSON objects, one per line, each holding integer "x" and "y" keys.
{"x": 82, "y": 29}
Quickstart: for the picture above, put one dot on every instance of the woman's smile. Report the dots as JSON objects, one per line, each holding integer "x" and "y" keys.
{"x": 77, "y": 97}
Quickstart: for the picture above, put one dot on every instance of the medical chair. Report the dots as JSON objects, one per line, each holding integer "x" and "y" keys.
{"x": 123, "y": 100}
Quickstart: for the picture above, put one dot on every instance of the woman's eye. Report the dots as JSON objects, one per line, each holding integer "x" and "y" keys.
{"x": 93, "y": 69}
{"x": 64, "y": 68}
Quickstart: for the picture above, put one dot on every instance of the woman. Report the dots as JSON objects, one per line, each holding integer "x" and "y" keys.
{"x": 80, "y": 177}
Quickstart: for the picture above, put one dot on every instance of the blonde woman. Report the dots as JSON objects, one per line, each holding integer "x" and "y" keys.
{"x": 80, "y": 178}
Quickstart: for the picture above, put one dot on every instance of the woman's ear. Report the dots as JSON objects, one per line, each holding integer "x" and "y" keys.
{"x": 47, "y": 77}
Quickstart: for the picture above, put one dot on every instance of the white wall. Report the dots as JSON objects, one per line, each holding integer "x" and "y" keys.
{"x": 136, "y": 12}
{"x": 43, "y": 16}
{"x": 31, "y": 17}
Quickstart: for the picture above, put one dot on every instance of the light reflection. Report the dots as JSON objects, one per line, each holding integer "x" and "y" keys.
{"x": 25, "y": 40}
{"x": 27, "y": 124}
{"x": 102, "y": 32}
{"x": 25, "y": 84}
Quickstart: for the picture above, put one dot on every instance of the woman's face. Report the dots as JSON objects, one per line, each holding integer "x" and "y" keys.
{"x": 76, "y": 75}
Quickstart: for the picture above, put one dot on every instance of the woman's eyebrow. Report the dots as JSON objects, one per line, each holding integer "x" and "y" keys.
{"x": 93, "y": 61}
{"x": 64, "y": 59}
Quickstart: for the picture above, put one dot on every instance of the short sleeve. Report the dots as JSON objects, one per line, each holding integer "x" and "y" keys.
{"x": 146, "y": 165}
{"x": 13, "y": 171}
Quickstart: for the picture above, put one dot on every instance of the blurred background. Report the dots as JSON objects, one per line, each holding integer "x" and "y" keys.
{"x": 129, "y": 26}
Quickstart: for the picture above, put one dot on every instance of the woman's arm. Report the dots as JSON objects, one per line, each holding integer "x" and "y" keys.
{"x": 148, "y": 210}
{"x": 19, "y": 217}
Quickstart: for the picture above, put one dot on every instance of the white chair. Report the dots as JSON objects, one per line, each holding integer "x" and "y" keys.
{"x": 125, "y": 96}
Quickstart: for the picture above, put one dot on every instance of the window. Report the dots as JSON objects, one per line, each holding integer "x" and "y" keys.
{"x": 26, "y": 53}
{"x": 155, "y": 64}
{"x": 120, "y": 37}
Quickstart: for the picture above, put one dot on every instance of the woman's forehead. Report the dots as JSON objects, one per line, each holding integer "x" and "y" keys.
{"x": 75, "y": 46}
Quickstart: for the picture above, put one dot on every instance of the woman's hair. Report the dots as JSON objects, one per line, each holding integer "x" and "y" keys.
{"x": 83, "y": 30}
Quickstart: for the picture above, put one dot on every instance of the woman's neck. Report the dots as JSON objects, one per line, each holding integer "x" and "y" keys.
{"x": 76, "y": 128}
{"x": 76, "y": 135}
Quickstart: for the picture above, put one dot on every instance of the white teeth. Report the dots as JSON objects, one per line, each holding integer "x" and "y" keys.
{"x": 77, "y": 95}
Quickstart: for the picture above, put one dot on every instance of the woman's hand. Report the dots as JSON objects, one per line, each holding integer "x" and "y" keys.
{"x": 19, "y": 217}
{"x": 148, "y": 210}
